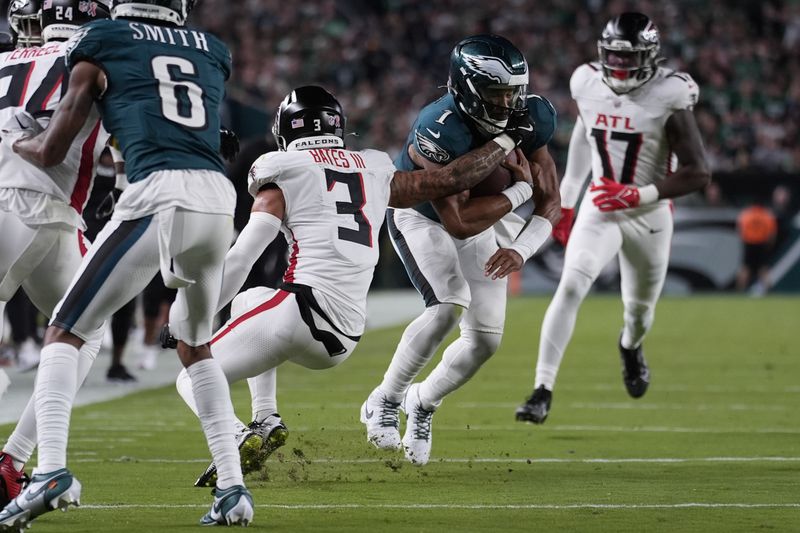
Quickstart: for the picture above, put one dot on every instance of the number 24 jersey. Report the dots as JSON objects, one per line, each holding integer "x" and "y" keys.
{"x": 336, "y": 202}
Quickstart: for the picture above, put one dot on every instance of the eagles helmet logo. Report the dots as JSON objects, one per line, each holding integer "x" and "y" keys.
{"x": 490, "y": 67}
{"x": 431, "y": 150}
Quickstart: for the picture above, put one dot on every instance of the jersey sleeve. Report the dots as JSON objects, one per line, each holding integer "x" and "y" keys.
{"x": 266, "y": 169}
{"x": 437, "y": 142}
{"x": 381, "y": 163}
{"x": 543, "y": 115}
{"x": 223, "y": 56}
{"x": 682, "y": 90}
{"x": 85, "y": 45}
{"x": 580, "y": 78}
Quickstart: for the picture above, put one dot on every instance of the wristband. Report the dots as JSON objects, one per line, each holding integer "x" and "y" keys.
{"x": 648, "y": 194}
{"x": 518, "y": 194}
{"x": 532, "y": 236}
{"x": 505, "y": 142}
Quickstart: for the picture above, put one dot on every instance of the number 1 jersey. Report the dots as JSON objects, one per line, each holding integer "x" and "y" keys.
{"x": 165, "y": 88}
{"x": 336, "y": 202}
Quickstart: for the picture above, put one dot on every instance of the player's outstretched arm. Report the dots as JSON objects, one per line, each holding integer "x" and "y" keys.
{"x": 264, "y": 225}
{"x": 49, "y": 148}
{"x": 693, "y": 172}
{"x": 410, "y": 188}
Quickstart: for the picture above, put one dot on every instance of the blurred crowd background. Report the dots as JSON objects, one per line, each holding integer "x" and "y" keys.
{"x": 385, "y": 59}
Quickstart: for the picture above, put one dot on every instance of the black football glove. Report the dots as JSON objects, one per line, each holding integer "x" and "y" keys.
{"x": 228, "y": 143}
{"x": 521, "y": 129}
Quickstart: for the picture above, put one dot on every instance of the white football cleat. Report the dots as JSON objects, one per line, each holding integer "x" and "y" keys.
{"x": 417, "y": 439}
{"x": 381, "y": 417}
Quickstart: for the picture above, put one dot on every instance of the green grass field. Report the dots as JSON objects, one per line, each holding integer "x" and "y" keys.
{"x": 713, "y": 446}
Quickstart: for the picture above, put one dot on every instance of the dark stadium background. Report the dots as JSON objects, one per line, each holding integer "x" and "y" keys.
{"x": 385, "y": 59}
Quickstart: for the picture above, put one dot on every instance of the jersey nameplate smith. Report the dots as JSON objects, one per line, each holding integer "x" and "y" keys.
{"x": 166, "y": 35}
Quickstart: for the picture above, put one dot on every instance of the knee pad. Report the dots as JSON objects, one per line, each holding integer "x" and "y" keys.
{"x": 575, "y": 284}
{"x": 585, "y": 262}
{"x": 482, "y": 344}
{"x": 443, "y": 317}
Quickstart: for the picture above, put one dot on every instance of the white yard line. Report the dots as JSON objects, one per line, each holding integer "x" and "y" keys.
{"x": 601, "y": 460}
{"x": 147, "y": 431}
{"x": 533, "y": 506}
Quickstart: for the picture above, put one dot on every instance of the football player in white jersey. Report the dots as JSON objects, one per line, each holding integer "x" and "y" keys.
{"x": 330, "y": 203}
{"x": 635, "y": 122}
{"x": 40, "y": 209}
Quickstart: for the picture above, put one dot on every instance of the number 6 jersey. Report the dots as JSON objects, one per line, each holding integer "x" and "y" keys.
{"x": 165, "y": 85}
{"x": 336, "y": 202}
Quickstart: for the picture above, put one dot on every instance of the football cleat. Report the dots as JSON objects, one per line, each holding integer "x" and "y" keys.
{"x": 635, "y": 373}
{"x": 381, "y": 416}
{"x": 256, "y": 442}
{"x": 535, "y": 408}
{"x": 417, "y": 440}
{"x": 45, "y": 492}
{"x": 11, "y": 480}
{"x": 120, "y": 374}
{"x": 232, "y": 506}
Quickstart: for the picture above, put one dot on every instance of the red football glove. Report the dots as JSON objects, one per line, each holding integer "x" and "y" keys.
{"x": 613, "y": 196}
{"x": 564, "y": 227}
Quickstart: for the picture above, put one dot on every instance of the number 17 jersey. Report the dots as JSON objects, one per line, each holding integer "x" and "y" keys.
{"x": 626, "y": 131}
{"x": 165, "y": 88}
{"x": 336, "y": 202}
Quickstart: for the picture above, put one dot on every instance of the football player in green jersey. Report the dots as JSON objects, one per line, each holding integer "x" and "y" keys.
{"x": 158, "y": 87}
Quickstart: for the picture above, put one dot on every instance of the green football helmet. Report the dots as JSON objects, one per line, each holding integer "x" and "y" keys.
{"x": 489, "y": 80}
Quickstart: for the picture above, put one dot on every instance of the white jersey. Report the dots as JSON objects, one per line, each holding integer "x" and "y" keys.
{"x": 34, "y": 82}
{"x": 626, "y": 131}
{"x": 336, "y": 202}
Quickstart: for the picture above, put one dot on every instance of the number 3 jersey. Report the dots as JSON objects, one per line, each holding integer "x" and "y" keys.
{"x": 626, "y": 131}
{"x": 33, "y": 80}
{"x": 165, "y": 87}
{"x": 336, "y": 202}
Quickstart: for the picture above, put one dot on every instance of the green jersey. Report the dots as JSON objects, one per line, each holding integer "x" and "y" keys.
{"x": 165, "y": 88}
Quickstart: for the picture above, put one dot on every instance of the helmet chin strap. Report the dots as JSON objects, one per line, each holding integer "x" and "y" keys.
{"x": 484, "y": 124}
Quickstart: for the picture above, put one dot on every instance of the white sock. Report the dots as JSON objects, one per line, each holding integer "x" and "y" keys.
{"x": 22, "y": 441}
{"x": 416, "y": 348}
{"x": 184, "y": 385}
{"x": 461, "y": 360}
{"x": 215, "y": 410}
{"x": 54, "y": 393}
{"x": 263, "y": 391}
{"x": 638, "y": 319}
{"x": 558, "y": 325}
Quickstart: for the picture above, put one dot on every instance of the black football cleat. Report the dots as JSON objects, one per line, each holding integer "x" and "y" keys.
{"x": 635, "y": 373}
{"x": 168, "y": 342}
{"x": 536, "y": 408}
